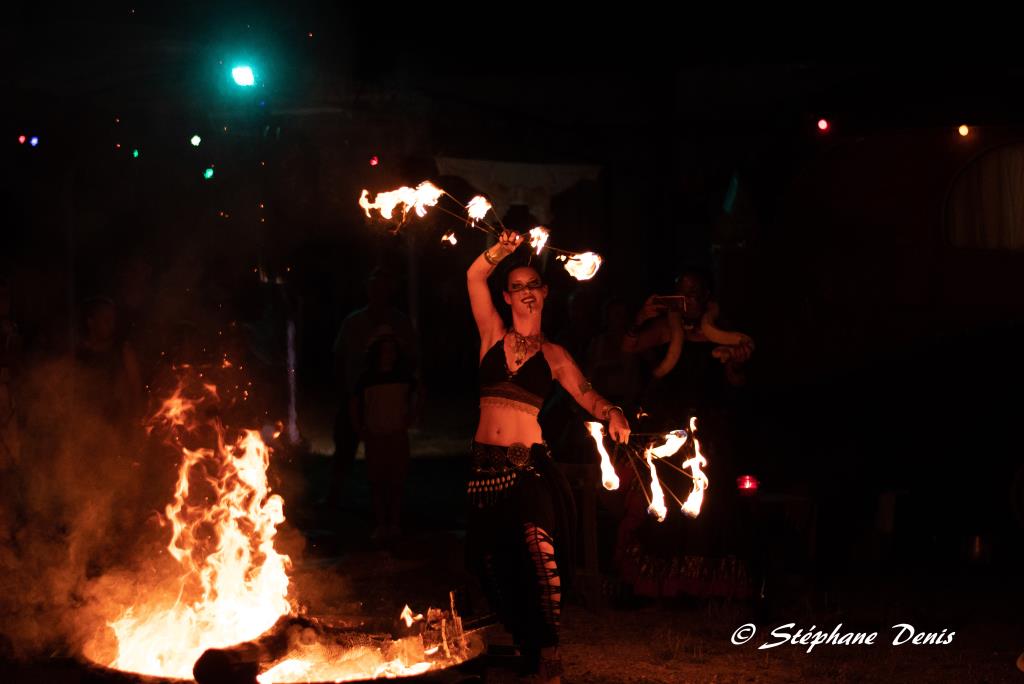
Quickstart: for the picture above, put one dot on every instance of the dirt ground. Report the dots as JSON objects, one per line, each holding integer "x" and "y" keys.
{"x": 657, "y": 642}
{"x": 339, "y": 572}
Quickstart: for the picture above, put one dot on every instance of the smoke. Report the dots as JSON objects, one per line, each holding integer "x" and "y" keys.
{"x": 81, "y": 529}
{"x": 80, "y": 496}
{"x": 82, "y": 486}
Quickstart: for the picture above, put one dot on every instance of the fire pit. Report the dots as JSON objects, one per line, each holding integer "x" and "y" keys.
{"x": 221, "y": 610}
{"x": 299, "y": 649}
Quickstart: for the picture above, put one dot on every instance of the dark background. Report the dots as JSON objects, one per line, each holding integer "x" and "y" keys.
{"x": 888, "y": 352}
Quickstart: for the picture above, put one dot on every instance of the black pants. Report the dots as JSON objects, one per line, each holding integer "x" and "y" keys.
{"x": 346, "y": 443}
{"x": 502, "y": 519}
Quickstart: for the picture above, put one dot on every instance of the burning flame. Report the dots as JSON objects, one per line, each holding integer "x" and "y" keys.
{"x": 450, "y": 238}
{"x": 538, "y": 238}
{"x": 478, "y": 208}
{"x": 657, "y": 506}
{"x": 233, "y": 585}
{"x": 426, "y": 194}
{"x": 582, "y": 266}
{"x": 322, "y": 662}
{"x": 333, "y": 665}
{"x": 673, "y": 442}
{"x": 608, "y": 476}
{"x": 408, "y": 617}
{"x": 691, "y": 506}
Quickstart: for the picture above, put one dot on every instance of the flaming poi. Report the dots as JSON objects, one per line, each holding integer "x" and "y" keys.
{"x": 657, "y": 506}
{"x": 609, "y": 478}
{"x": 582, "y": 266}
{"x": 669, "y": 445}
{"x": 538, "y": 238}
{"x": 424, "y": 195}
{"x": 477, "y": 208}
{"x": 673, "y": 442}
{"x": 691, "y": 506}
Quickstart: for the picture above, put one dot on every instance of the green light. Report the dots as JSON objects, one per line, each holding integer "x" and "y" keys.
{"x": 208, "y": 173}
{"x": 243, "y": 76}
{"x": 196, "y": 140}
{"x": 135, "y": 154}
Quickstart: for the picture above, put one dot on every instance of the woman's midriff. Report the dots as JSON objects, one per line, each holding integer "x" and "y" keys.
{"x": 505, "y": 422}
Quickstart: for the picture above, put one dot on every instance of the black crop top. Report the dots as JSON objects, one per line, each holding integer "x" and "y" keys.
{"x": 530, "y": 384}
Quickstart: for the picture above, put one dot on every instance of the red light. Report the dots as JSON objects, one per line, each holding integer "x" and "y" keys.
{"x": 374, "y": 160}
{"x": 823, "y": 125}
{"x": 21, "y": 139}
{"x": 747, "y": 484}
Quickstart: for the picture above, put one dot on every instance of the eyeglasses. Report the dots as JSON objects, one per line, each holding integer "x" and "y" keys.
{"x": 534, "y": 284}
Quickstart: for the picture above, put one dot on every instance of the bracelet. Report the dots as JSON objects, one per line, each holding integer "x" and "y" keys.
{"x": 491, "y": 260}
{"x": 611, "y": 407}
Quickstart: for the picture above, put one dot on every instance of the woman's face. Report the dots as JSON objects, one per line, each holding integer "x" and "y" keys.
{"x": 525, "y": 292}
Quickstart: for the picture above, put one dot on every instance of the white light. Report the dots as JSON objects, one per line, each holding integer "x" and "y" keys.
{"x": 243, "y": 76}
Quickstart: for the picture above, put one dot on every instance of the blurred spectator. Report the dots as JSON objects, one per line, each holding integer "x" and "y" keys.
{"x": 382, "y": 410}
{"x": 378, "y": 318}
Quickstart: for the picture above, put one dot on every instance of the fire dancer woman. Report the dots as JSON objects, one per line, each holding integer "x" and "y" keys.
{"x": 520, "y": 505}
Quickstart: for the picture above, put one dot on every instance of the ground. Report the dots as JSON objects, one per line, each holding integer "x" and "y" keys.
{"x": 648, "y": 642}
{"x": 340, "y": 572}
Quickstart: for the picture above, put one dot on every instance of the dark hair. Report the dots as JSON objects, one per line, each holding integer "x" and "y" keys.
{"x": 513, "y": 264}
{"x": 700, "y": 274}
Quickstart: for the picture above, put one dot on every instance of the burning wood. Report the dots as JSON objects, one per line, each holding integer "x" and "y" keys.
{"x": 299, "y": 649}
{"x": 242, "y": 662}
{"x": 228, "y": 617}
{"x": 232, "y": 584}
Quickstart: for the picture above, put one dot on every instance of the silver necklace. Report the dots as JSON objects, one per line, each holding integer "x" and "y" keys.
{"x": 523, "y": 346}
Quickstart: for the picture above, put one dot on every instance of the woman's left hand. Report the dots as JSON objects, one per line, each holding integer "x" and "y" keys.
{"x": 618, "y": 427}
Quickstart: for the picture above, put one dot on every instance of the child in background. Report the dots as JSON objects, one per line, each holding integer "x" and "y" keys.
{"x": 381, "y": 410}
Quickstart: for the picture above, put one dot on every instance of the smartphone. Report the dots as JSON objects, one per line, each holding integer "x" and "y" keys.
{"x": 672, "y": 303}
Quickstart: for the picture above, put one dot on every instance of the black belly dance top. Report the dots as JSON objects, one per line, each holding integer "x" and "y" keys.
{"x": 497, "y": 469}
{"x": 529, "y": 384}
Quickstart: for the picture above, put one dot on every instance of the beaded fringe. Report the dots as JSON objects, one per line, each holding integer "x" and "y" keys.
{"x": 489, "y": 490}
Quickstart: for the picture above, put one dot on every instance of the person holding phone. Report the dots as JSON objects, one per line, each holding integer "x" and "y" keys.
{"x": 695, "y": 370}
